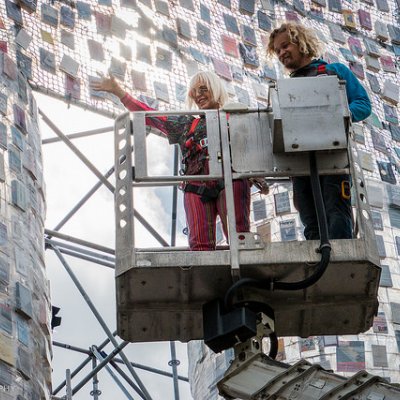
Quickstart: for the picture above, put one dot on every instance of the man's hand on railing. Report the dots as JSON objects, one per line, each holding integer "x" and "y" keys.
{"x": 261, "y": 184}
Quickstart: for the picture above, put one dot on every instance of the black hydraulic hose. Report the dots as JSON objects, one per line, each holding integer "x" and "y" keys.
{"x": 325, "y": 248}
{"x": 305, "y": 283}
{"x": 319, "y": 202}
{"x": 237, "y": 285}
{"x": 273, "y": 345}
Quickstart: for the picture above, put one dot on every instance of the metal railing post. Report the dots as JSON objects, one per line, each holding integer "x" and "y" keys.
{"x": 174, "y": 365}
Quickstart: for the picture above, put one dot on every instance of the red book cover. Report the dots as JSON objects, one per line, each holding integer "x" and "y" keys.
{"x": 355, "y": 46}
{"x": 3, "y": 46}
{"x": 72, "y": 87}
{"x": 19, "y": 117}
{"x": 357, "y": 70}
{"x": 388, "y": 64}
{"x": 9, "y": 67}
{"x": 292, "y": 16}
{"x": 365, "y": 19}
{"x": 222, "y": 69}
{"x": 103, "y": 23}
{"x": 230, "y": 46}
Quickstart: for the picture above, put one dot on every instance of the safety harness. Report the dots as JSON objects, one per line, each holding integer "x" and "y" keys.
{"x": 206, "y": 193}
{"x": 194, "y": 150}
{"x": 312, "y": 70}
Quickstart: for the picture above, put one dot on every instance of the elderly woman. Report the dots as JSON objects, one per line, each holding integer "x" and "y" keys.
{"x": 203, "y": 200}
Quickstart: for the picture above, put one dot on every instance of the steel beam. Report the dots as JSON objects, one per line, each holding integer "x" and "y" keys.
{"x": 76, "y": 151}
{"x": 100, "y": 320}
{"x": 113, "y": 376}
{"x": 79, "y": 135}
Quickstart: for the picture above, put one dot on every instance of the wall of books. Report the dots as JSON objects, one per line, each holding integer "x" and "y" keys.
{"x": 25, "y": 343}
{"x": 154, "y": 46}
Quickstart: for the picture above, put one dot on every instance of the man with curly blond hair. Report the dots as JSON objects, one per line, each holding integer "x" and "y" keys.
{"x": 298, "y": 49}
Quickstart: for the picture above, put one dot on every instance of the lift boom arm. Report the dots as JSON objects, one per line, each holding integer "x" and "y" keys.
{"x": 260, "y": 378}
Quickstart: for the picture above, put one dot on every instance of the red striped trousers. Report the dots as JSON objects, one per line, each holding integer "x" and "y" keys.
{"x": 201, "y": 217}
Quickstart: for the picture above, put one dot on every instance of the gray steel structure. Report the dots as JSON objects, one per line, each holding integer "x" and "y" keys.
{"x": 126, "y": 379}
{"x": 160, "y": 293}
{"x": 260, "y": 378}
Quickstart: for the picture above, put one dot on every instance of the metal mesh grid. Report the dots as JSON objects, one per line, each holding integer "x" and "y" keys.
{"x": 143, "y": 23}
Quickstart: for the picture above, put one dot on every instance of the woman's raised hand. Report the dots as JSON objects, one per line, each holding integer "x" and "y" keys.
{"x": 108, "y": 84}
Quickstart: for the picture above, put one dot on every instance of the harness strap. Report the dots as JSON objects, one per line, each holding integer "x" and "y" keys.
{"x": 321, "y": 69}
{"x": 206, "y": 193}
{"x": 190, "y": 137}
{"x": 312, "y": 71}
{"x": 193, "y": 127}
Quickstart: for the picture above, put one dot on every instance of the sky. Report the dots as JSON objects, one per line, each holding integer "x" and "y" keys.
{"x": 67, "y": 181}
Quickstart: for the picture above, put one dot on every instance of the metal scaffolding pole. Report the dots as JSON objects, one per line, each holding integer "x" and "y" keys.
{"x": 91, "y": 259}
{"x": 101, "y": 177}
{"x": 68, "y": 385}
{"x": 113, "y": 375}
{"x": 119, "y": 361}
{"x": 80, "y": 134}
{"x": 82, "y": 250}
{"x": 100, "y": 366}
{"x": 63, "y": 248}
{"x": 81, "y": 366}
{"x": 83, "y": 200}
{"x": 154, "y": 370}
{"x": 174, "y": 365}
{"x": 174, "y": 199}
{"x": 89, "y": 194}
{"x": 96, "y": 392}
{"x": 76, "y": 151}
{"x": 79, "y": 255}
{"x": 69, "y": 238}
{"x": 123, "y": 374}
{"x": 69, "y": 347}
{"x": 174, "y": 362}
{"x": 101, "y": 321}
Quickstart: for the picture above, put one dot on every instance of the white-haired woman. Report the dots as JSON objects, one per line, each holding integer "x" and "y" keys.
{"x": 203, "y": 200}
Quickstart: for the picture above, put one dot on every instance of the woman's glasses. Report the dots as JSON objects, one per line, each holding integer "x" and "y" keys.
{"x": 198, "y": 91}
